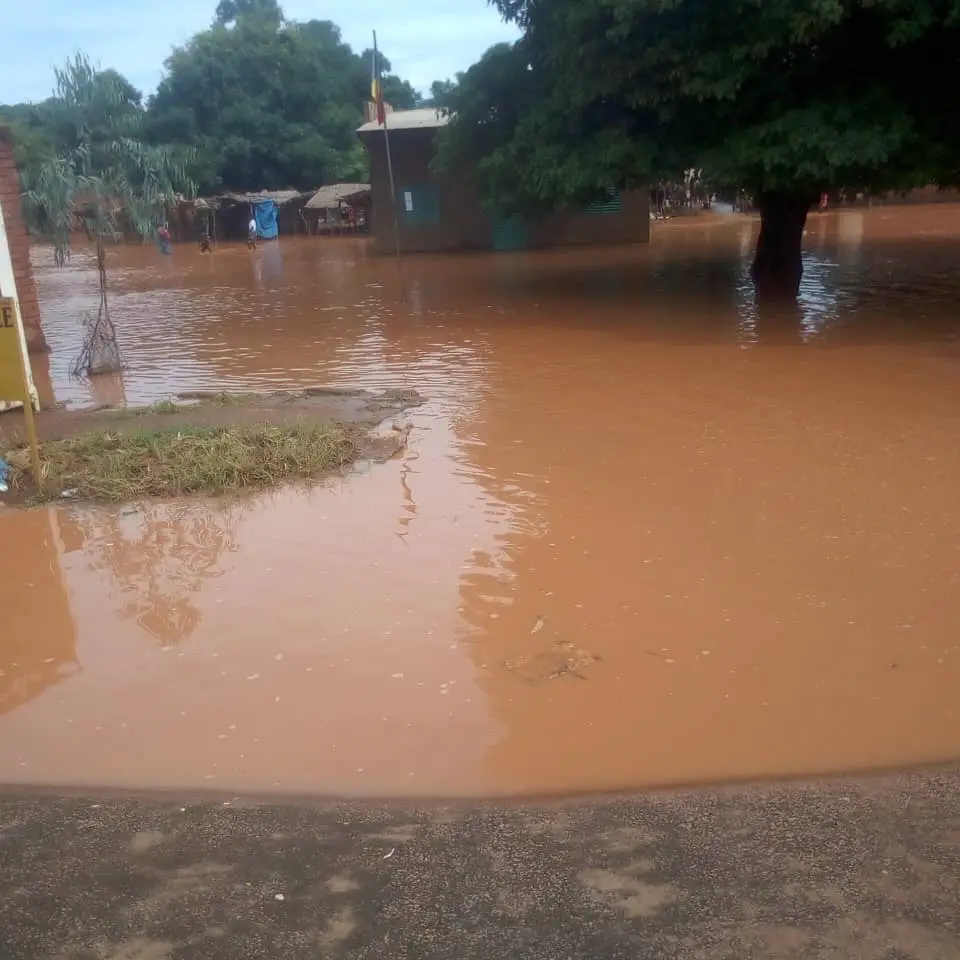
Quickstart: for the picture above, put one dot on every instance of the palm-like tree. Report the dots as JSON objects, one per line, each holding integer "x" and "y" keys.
{"x": 104, "y": 179}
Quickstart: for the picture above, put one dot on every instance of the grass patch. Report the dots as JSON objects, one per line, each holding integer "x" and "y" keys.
{"x": 161, "y": 407}
{"x": 406, "y": 397}
{"x": 111, "y": 467}
{"x": 222, "y": 399}
{"x": 231, "y": 399}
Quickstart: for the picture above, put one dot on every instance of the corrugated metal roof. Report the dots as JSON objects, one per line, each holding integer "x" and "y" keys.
{"x": 331, "y": 195}
{"x": 424, "y": 118}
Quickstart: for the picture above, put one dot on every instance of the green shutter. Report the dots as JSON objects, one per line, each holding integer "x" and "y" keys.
{"x": 419, "y": 204}
{"x": 510, "y": 233}
{"x": 610, "y": 205}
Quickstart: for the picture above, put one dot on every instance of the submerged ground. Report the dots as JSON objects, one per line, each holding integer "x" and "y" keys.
{"x": 641, "y": 534}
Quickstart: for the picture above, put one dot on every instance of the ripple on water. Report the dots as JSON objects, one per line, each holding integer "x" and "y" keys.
{"x": 619, "y": 550}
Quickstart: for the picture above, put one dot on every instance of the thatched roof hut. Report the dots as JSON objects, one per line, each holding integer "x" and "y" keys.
{"x": 339, "y": 208}
{"x": 330, "y": 197}
{"x": 225, "y": 216}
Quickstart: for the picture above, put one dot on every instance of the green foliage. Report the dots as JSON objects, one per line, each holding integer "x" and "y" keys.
{"x": 100, "y": 174}
{"x": 513, "y": 130}
{"x": 441, "y": 92}
{"x": 32, "y": 136}
{"x": 99, "y": 169}
{"x": 774, "y": 96}
{"x": 254, "y": 102}
{"x": 268, "y": 102}
{"x": 229, "y": 11}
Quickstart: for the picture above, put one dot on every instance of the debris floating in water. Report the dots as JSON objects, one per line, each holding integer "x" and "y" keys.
{"x": 537, "y": 626}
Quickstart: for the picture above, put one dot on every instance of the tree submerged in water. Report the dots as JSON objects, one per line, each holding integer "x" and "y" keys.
{"x": 103, "y": 181}
{"x": 784, "y": 99}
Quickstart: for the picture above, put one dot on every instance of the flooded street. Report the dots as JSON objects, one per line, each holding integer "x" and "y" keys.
{"x": 642, "y": 533}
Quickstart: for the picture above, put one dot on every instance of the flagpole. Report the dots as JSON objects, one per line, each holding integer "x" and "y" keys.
{"x": 382, "y": 111}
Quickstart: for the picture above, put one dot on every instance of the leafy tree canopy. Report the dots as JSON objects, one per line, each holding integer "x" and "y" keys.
{"x": 101, "y": 173}
{"x": 268, "y": 102}
{"x": 783, "y": 98}
{"x": 98, "y": 167}
{"x": 260, "y": 101}
{"x": 441, "y": 92}
{"x": 88, "y": 104}
{"x": 229, "y": 11}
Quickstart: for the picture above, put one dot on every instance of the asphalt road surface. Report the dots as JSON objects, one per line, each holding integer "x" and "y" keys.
{"x": 842, "y": 869}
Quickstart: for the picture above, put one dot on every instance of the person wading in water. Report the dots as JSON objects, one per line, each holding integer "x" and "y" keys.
{"x": 252, "y": 233}
{"x": 163, "y": 238}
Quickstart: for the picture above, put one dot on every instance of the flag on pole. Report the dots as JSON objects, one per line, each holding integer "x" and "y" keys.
{"x": 376, "y": 90}
{"x": 376, "y": 87}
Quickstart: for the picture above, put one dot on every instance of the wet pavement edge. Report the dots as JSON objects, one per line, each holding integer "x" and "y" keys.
{"x": 834, "y": 869}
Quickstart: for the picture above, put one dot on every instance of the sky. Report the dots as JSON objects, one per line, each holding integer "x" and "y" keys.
{"x": 425, "y": 40}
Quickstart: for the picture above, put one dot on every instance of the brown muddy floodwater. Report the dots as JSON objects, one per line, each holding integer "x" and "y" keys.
{"x": 643, "y": 534}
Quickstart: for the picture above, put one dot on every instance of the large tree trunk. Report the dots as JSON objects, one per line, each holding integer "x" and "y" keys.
{"x": 777, "y": 266}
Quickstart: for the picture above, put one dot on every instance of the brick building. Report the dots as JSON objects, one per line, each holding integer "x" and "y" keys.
{"x": 443, "y": 213}
{"x": 19, "y": 244}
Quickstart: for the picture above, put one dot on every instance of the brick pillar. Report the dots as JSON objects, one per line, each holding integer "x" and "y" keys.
{"x": 19, "y": 244}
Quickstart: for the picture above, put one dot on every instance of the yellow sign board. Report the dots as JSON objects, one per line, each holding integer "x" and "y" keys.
{"x": 14, "y": 379}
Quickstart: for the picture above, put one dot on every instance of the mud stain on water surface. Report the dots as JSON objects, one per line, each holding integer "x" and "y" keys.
{"x": 737, "y": 531}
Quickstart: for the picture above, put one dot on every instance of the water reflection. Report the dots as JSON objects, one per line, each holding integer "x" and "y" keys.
{"x": 739, "y": 589}
{"x": 619, "y": 549}
{"x": 38, "y": 635}
{"x": 409, "y": 504}
{"x": 222, "y": 327}
{"x": 157, "y": 557}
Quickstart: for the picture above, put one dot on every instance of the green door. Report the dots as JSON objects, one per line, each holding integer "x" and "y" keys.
{"x": 510, "y": 233}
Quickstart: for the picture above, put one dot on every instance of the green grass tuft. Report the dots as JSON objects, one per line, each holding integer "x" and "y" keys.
{"x": 111, "y": 467}
{"x": 161, "y": 407}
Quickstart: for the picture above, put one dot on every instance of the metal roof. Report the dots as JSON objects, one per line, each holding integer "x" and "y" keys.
{"x": 424, "y": 118}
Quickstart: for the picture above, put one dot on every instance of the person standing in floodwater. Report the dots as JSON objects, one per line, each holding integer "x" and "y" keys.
{"x": 163, "y": 238}
{"x": 252, "y": 233}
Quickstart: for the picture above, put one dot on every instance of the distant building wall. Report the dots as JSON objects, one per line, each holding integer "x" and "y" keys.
{"x": 442, "y": 213}
{"x": 19, "y": 242}
{"x": 920, "y": 195}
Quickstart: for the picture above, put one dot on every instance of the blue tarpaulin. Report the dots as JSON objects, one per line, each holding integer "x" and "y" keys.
{"x": 265, "y": 213}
